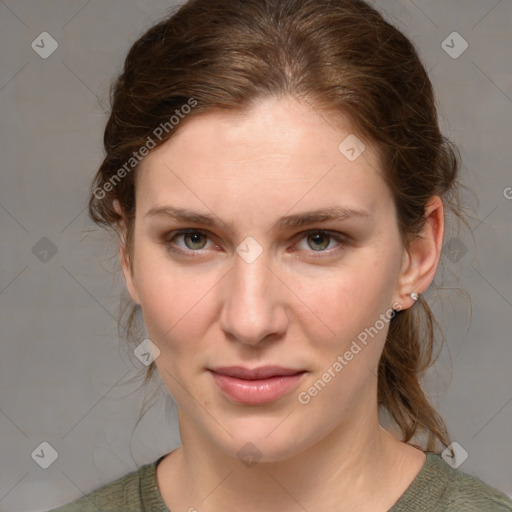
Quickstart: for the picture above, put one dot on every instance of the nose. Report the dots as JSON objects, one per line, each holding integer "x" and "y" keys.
{"x": 254, "y": 308}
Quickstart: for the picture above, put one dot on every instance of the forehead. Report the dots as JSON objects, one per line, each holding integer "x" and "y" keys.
{"x": 279, "y": 148}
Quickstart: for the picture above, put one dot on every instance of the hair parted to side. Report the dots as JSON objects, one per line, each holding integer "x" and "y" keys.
{"x": 342, "y": 58}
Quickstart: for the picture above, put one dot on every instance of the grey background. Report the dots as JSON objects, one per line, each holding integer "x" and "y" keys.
{"x": 63, "y": 371}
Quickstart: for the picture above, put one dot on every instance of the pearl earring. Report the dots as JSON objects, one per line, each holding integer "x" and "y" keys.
{"x": 414, "y": 296}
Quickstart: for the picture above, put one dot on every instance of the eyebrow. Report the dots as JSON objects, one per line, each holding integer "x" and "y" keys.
{"x": 333, "y": 213}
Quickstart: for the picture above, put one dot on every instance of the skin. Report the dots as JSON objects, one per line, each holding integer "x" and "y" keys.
{"x": 300, "y": 304}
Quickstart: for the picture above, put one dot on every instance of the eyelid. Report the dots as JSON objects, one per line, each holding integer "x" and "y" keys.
{"x": 169, "y": 237}
{"x": 334, "y": 234}
{"x": 341, "y": 238}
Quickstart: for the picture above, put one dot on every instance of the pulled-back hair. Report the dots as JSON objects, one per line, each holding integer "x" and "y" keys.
{"x": 342, "y": 58}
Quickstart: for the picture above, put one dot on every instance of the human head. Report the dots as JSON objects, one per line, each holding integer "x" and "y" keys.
{"x": 340, "y": 57}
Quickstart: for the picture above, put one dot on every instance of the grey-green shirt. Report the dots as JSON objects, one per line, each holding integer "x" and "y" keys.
{"x": 437, "y": 488}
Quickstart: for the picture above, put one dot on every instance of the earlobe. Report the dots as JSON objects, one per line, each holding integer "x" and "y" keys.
{"x": 124, "y": 257}
{"x": 421, "y": 257}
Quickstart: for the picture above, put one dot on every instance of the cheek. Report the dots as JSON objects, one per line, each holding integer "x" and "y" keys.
{"x": 327, "y": 303}
{"x": 176, "y": 304}
{"x": 175, "y": 310}
{"x": 347, "y": 299}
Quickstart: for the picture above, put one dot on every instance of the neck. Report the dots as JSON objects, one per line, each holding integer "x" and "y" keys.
{"x": 358, "y": 466}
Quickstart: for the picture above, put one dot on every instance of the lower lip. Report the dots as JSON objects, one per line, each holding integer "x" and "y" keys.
{"x": 259, "y": 391}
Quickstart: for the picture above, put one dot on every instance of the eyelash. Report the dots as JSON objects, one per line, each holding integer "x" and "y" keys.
{"x": 168, "y": 242}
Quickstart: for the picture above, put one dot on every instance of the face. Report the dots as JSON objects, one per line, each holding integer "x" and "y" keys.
{"x": 255, "y": 282}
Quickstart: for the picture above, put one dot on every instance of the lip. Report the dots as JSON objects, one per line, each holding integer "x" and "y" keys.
{"x": 263, "y": 372}
{"x": 258, "y": 385}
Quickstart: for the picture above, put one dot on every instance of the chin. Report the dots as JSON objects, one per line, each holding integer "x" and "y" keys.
{"x": 262, "y": 447}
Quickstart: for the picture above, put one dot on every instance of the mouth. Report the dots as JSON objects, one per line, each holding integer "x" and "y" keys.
{"x": 258, "y": 385}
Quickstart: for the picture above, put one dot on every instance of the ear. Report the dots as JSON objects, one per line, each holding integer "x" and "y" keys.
{"x": 421, "y": 257}
{"x": 124, "y": 258}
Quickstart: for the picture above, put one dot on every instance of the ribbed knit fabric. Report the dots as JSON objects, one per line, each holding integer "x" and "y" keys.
{"x": 134, "y": 492}
{"x": 440, "y": 488}
{"x": 437, "y": 488}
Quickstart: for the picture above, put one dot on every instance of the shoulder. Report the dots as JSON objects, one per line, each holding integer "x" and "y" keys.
{"x": 440, "y": 488}
{"x": 467, "y": 492}
{"x": 121, "y": 495}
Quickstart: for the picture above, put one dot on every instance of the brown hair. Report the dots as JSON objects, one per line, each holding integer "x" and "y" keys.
{"x": 339, "y": 56}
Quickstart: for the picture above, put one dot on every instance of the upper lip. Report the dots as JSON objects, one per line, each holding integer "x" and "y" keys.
{"x": 263, "y": 372}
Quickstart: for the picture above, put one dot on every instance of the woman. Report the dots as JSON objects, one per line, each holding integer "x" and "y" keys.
{"x": 278, "y": 180}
